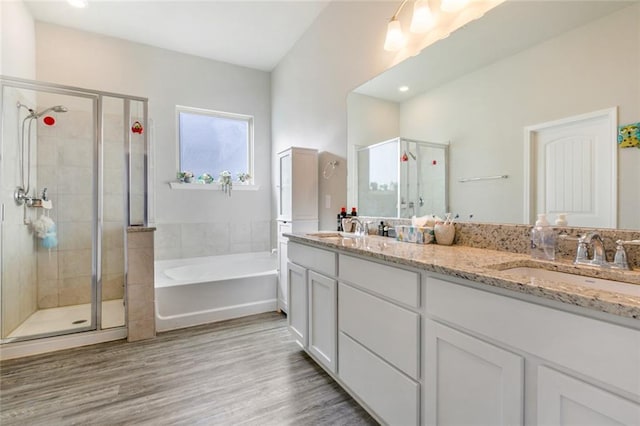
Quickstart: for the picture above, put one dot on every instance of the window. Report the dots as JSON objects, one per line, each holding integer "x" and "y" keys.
{"x": 213, "y": 141}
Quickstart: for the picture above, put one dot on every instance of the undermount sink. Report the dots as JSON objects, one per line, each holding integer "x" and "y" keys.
{"x": 595, "y": 283}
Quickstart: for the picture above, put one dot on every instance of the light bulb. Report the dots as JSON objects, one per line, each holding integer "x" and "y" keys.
{"x": 395, "y": 38}
{"x": 423, "y": 19}
{"x": 78, "y": 3}
{"x": 452, "y": 5}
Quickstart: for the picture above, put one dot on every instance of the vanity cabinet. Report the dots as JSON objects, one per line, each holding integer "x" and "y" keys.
{"x": 313, "y": 302}
{"x": 481, "y": 348}
{"x": 416, "y": 347}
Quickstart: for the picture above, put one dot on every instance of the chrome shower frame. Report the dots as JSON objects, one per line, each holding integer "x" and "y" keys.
{"x": 97, "y": 98}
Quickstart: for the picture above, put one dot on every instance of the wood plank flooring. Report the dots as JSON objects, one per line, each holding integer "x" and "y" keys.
{"x": 246, "y": 371}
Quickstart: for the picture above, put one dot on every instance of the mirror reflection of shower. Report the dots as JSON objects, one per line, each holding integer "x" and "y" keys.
{"x": 21, "y": 194}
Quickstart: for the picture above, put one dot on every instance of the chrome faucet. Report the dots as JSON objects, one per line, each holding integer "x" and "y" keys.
{"x": 360, "y": 227}
{"x": 599, "y": 257}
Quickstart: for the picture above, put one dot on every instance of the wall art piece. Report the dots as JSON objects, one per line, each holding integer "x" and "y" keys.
{"x": 629, "y": 135}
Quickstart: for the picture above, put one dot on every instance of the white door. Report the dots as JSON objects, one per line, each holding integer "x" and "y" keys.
{"x": 469, "y": 381}
{"x": 564, "y": 400}
{"x": 573, "y": 169}
{"x": 323, "y": 326}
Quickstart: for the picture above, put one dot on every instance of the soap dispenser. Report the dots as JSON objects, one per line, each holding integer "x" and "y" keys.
{"x": 543, "y": 239}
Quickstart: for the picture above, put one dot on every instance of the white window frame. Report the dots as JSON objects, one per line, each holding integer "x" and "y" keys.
{"x": 222, "y": 114}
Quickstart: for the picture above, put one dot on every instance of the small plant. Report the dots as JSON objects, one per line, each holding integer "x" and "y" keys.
{"x": 185, "y": 176}
{"x": 205, "y": 178}
{"x": 244, "y": 177}
{"x": 225, "y": 182}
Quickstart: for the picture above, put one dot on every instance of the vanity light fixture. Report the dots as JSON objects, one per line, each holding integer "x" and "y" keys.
{"x": 78, "y": 3}
{"x": 419, "y": 23}
{"x": 452, "y": 5}
{"x": 422, "y": 21}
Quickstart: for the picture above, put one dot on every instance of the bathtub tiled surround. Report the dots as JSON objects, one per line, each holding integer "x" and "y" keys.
{"x": 185, "y": 240}
{"x": 140, "y": 296}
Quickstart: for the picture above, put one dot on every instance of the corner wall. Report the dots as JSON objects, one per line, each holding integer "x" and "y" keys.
{"x": 194, "y": 222}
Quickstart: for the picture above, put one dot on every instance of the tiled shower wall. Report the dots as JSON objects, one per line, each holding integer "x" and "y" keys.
{"x": 183, "y": 240}
{"x": 18, "y": 260}
{"x": 65, "y": 164}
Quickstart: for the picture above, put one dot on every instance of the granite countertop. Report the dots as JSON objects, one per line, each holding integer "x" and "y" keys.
{"x": 487, "y": 267}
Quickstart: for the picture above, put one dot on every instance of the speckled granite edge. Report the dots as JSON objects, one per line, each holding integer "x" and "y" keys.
{"x": 486, "y": 266}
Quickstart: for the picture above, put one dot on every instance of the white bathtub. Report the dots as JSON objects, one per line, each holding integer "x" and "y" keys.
{"x": 207, "y": 289}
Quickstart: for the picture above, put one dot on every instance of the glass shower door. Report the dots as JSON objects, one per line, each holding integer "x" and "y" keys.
{"x": 49, "y": 197}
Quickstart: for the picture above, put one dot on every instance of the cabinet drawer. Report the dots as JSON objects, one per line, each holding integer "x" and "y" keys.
{"x": 393, "y": 396}
{"x": 598, "y": 349}
{"x": 388, "y": 330}
{"x": 319, "y": 260}
{"x": 394, "y": 283}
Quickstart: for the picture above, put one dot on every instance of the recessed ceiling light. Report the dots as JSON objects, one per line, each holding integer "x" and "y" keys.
{"x": 403, "y": 88}
{"x": 78, "y": 3}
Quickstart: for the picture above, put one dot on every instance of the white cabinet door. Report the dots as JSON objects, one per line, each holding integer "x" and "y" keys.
{"x": 469, "y": 381}
{"x": 283, "y": 287}
{"x": 564, "y": 400}
{"x": 297, "y": 316}
{"x": 284, "y": 185}
{"x": 322, "y": 319}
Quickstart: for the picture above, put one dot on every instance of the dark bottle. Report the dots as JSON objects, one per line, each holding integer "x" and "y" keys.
{"x": 354, "y": 212}
{"x": 339, "y": 223}
{"x": 381, "y": 229}
{"x": 343, "y": 212}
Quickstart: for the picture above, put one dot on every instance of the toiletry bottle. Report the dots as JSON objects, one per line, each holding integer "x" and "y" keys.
{"x": 353, "y": 212}
{"x": 341, "y": 215}
{"x": 543, "y": 239}
{"x": 562, "y": 219}
{"x": 381, "y": 229}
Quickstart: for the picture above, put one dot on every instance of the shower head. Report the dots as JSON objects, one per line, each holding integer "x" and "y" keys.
{"x": 57, "y": 108}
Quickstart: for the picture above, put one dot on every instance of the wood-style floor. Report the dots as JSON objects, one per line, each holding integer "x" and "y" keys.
{"x": 246, "y": 371}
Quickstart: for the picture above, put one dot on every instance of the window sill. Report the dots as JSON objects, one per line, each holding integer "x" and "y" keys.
{"x": 212, "y": 186}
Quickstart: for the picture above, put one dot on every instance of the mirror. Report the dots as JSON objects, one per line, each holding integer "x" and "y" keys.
{"x": 402, "y": 178}
{"x": 522, "y": 64}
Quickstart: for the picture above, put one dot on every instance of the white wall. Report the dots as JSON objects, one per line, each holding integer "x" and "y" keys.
{"x": 340, "y": 51}
{"x": 190, "y": 222}
{"x": 17, "y": 40}
{"x": 483, "y": 114}
{"x": 310, "y": 85}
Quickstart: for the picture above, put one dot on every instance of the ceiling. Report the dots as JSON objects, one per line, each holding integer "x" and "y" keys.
{"x": 505, "y": 30}
{"x": 254, "y": 34}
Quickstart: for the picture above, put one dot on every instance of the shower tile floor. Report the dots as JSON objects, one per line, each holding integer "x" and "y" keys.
{"x": 69, "y": 318}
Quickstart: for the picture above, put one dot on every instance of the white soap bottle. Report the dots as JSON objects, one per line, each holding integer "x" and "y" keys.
{"x": 543, "y": 239}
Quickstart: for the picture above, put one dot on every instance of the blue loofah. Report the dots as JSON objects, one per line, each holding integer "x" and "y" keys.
{"x": 50, "y": 240}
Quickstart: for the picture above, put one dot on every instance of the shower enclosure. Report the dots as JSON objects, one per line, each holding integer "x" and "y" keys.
{"x": 73, "y": 169}
{"x": 402, "y": 178}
